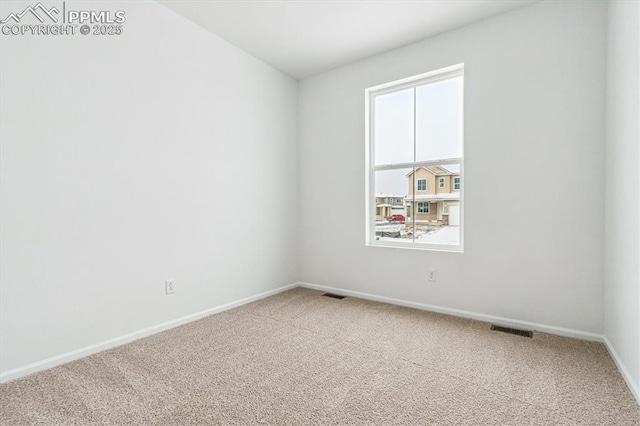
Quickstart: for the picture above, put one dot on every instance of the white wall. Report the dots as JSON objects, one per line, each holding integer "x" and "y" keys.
{"x": 534, "y": 147}
{"x": 161, "y": 153}
{"x": 622, "y": 231}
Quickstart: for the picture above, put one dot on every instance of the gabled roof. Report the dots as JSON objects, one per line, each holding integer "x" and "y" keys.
{"x": 439, "y": 196}
{"x": 436, "y": 170}
{"x": 383, "y": 195}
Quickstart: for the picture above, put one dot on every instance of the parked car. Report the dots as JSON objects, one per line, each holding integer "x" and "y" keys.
{"x": 395, "y": 218}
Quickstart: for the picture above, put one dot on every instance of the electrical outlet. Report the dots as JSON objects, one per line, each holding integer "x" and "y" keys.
{"x": 432, "y": 275}
{"x": 170, "y": 286}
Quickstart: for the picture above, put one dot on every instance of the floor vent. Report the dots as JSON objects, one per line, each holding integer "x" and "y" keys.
{"x": 523, "y": 333}
{"x": 334, "y": 296}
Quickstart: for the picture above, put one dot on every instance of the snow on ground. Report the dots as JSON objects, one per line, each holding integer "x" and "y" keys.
{"x": 389, "y": 227}
{"x": 444, "y": 235}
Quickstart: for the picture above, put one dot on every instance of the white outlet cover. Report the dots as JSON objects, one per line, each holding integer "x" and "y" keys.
{"x": 170, "y": 286}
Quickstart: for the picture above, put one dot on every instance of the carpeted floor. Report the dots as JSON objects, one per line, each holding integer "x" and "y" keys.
{"x": 300, "y": 358}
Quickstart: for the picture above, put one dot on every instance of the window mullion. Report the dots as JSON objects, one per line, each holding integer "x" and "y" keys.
{"x": 413, "y": 203}
{"x": 427, "y": 163}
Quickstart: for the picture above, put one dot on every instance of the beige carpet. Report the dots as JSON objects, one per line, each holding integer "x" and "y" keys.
{"x": 300, "y": 358}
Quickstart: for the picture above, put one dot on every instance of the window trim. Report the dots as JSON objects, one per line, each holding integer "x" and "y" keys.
{"x": 441, "y": 183}
{"x": 427, "y": 203}
{"x": 456, "y": 185}
{"x": 418, "y": 183}
{"x": 371, "y": 168}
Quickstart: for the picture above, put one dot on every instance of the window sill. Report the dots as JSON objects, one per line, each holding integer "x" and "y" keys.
{"x": 417, "y": 246}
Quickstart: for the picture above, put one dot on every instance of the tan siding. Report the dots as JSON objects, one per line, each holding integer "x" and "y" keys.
{"x": 447, "y": 184}
{"x": 427, "y": 217}
{"x": 423, "y": 174}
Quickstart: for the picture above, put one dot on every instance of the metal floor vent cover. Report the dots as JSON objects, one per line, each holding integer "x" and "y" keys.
{"x": 517, "y": 332}
{"x": 334, "y": 296}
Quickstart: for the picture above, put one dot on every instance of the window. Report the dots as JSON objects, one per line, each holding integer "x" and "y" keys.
{"x": 414, "y": 133}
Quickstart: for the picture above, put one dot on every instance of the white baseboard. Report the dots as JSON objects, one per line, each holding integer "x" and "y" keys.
{"x": 633, "y": 386}
{"x": 64, "y": 358}
{"x": 567, "y": 332}
{"x": 130, "y": 337}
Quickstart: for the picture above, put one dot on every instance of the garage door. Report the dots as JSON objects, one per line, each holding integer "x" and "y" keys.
{"x": 454, "y": 215}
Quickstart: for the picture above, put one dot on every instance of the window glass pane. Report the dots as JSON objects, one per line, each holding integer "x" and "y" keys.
{"x": 423, "y": 123}
{"x": 393, "y": 127}
{"x": 392, "y": 219}
{"x": 439, "y": 120}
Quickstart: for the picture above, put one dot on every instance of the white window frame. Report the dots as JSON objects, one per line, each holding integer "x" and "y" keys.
{"x": 371, "y": 168}
{"x": 456, "y": 185}
{"x": 441, "y": 183}
{"x": 418, "y": 181}
{"x": 424, "y": 203}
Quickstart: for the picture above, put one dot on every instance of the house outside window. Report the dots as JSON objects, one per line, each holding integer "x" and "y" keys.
{"x": 414, "y": 137}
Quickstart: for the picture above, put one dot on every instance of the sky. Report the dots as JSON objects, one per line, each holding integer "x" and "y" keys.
{"x": 438, "y": 129}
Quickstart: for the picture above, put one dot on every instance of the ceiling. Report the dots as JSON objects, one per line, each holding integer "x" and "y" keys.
{"x": 306, "y": 37}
